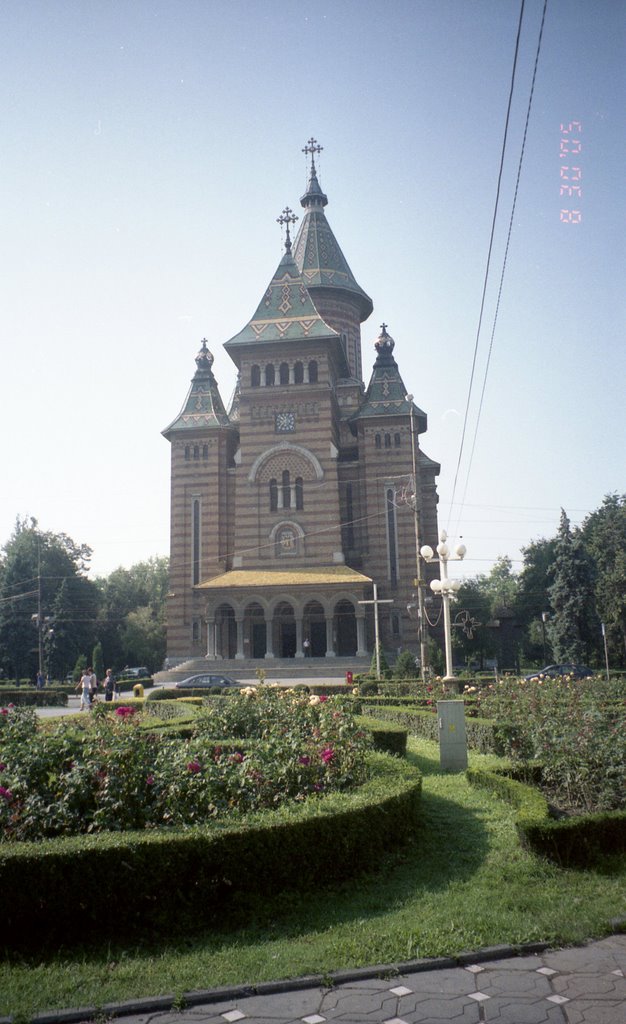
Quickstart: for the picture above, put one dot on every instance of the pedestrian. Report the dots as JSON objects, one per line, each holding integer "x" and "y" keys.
{"x": 94, "y": 685}
{"x": 307, "y": 647}
{"x": 109, "y": 685}
{"x": 41, "y": 682}
{"x": 84, "y": 685}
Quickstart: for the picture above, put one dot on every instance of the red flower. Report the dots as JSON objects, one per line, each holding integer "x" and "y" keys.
{"x": 327, "y": 755}
{"x": 194, "y": 767}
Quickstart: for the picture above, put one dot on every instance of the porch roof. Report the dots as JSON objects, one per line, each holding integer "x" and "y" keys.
{"x": 332, "y": 575}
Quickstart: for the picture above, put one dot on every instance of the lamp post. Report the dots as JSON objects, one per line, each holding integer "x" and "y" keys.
{"x": 447, "y": 588}
{"x": 419, "y": 582}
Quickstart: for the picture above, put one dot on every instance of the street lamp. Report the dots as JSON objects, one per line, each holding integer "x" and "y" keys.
{"x": 447, "y": 588}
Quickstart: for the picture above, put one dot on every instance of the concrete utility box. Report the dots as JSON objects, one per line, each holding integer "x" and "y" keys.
{"x": 452, "y": 738}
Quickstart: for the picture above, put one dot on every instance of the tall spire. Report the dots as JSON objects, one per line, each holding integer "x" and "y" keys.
{"x": 203, "y": 406}
{"x": 313, "y": 197}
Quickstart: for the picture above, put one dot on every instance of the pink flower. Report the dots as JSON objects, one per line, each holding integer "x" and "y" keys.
{"x": 194, "y": 767}
{"x": 2, "y": 767}
{"x": 150, "y": 780}
{"x": 124, "y": 711}
{"x": 4, "y": 711}
{"x": 327, "y": 755}
{"x": 304, "y": 760}
{"x": 323, "y": 697}
{"x": 6, "y": 793}
{"x": 237, "y": 757}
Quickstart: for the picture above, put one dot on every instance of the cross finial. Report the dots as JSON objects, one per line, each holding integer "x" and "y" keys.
{"x": 312, "y": 147}
{"x": 287, "y": 217}
{"x": 383, "y": 328}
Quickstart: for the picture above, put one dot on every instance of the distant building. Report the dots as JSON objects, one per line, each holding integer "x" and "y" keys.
{"x": 286, "y": 508}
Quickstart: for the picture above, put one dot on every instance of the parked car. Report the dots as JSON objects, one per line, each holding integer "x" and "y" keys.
{"x": 140, "y": 672}
{"x": 202, "y": 680}
{"x": 566, "y": 669}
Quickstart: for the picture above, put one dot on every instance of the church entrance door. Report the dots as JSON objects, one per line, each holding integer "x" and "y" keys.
{"x": 345, "y": 621}
{"x": 259, "y": 642}
{"x": 318, "y": 639}
{"x": 287, "y": 641}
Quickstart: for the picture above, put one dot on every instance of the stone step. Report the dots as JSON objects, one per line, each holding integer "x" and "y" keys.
{"x": 274, "y": 668}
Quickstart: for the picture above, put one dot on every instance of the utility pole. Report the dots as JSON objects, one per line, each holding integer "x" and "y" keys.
{"x": 419, "y": 582}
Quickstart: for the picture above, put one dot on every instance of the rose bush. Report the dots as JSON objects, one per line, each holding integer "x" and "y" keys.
{"x": 116, "y": 775}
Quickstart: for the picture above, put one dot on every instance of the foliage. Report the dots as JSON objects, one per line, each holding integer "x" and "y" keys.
{"x": 47, "y": 571}
{"x": 573, "y": 728}
{"x": 97, "y": 662}
{"x": 603, "y": 534}
{"x": 570, "y": 595}
{"x": 123, "y": 777}
{"x": 405, "y": 666}
{"x": 132, "y": 613}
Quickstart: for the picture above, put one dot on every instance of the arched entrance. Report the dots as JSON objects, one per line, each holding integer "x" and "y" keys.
{"x": 344, "y": 628}
{"x": 314, "y": 627}
{"x": 284, "y": 631}
{"x": 255, "y": 631}
{"x": 225, "y": 632}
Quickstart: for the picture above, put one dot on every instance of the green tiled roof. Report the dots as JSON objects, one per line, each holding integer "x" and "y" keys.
{"x": 386, "y": 394}
{"x": 285, "y": 313}
{"x": 317, "y": 253}
{"x": 203, "y": 406}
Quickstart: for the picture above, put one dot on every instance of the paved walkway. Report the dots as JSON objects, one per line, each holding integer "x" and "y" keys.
{"x": 578, "y": 985}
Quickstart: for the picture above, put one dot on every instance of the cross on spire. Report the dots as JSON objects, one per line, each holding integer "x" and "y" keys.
{"x": 312, "y": 147}
{"x": 287, "y": 217}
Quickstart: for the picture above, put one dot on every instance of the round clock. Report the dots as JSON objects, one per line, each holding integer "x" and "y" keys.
{"x": 285, "y": 422}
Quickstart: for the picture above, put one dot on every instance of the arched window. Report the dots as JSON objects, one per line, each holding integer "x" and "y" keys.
{"x": 283, "y": 373}
{"x": 396, "y": 440}
{"x": 196, "y": 451}
{"x": 195, "y": 631}
{"x": 392, "y": 547}
{"x": 313, "y": 372}
{"x": 187, "y": 452}
{"x": 273, "y": 495}
{"x": 387, "y": 440}
{"x": 298, "y": 373}
{"x": 377, "y": 440}
{"x": 299, "y": 492}
{"x": 286, "y": 489}
{"x": 255, "y": 376}
{"x": 205, "y": 451}
{"x": 350, "y": 517}
{"x": 195, "y": 541}
{"x": 269, "y": 375}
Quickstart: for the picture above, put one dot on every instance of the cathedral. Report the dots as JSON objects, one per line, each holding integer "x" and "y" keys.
{"x": 310, "y": 495}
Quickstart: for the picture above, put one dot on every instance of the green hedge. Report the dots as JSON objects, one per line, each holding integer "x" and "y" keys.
{"x": 117, "y": 886}
{"x": 581, "y": 841}
{"x": 46, "y": 698}
{"x": 388, "y": 737}
{"x": 483, "y": 734}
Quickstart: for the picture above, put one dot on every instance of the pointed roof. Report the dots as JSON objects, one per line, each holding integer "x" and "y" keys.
{"x": 203, "y": 406}
{"x": 317, "y": 253}
{"x": 234, "y": 410}
{"x": 285, "y": 313}
{"x": 386, "y": 394}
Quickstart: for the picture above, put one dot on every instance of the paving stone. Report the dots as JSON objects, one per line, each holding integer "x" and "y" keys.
{"x": 588, "y": 1012}
{"x": 590, "y": 986}
{"x": 522, "y": 984}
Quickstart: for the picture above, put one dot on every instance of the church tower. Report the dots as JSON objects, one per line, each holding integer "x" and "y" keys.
{"x": 288, "y": 508}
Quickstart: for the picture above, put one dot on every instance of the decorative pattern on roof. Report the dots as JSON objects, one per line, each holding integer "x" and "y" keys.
{"x": 386, "y": 394}
{"x": 285, "y": 313}
{"x": 203, "y": 406}
{"x": 316, "y": 250}
{"x": 332, "y": 575}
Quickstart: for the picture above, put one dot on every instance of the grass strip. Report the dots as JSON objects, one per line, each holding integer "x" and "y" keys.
{"x": 463, "y": 884}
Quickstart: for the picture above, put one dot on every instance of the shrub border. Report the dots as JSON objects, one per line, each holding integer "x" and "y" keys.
{"x": 579, "y": 842}
{"x": 119, "y": 885}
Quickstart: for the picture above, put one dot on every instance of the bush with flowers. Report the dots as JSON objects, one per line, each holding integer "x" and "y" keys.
{"x": 118, "y": 775}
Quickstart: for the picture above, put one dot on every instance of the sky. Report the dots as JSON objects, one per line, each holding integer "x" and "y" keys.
{"x": 148, "y": 147}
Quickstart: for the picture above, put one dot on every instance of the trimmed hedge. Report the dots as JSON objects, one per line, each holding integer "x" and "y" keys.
{"x": 121, "y": 885}
{"x": 48, "y": 697}
{"x": 388, "y": 737}
{"x": 483, "y": 734}
{"x": 581, "y": 841}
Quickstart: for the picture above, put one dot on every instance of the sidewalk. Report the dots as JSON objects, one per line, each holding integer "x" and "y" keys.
{"x": 578, "y": 985}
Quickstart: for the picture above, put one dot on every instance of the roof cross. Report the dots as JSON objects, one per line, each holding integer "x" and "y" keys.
{"x": 312, "y": 147}
{"x": 287, "y": 217}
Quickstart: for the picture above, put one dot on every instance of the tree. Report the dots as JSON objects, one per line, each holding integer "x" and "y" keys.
{"x": 144, "y": 585}
{"x": 143, "y": 638}
{"x": 532, "y": 602}
{"x": 603, "y": 534}
{"x": 44, "y": 592}
{"x": 571, "y": 597}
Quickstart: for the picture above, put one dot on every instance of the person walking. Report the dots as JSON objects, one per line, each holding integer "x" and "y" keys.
{"x": 84, "y": 686}
{"x": 94, "y": 685}
{"x": 307, "y": 647}
{"x": 109, "y": 685}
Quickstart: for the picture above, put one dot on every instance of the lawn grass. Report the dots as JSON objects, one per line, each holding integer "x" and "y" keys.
{"x": 464, "y": 884}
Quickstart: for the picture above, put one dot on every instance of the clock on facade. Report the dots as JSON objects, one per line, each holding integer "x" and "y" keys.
{"x": 285, "y": 422}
